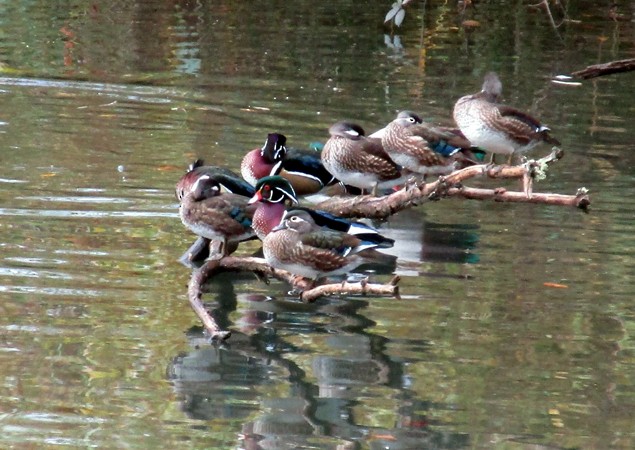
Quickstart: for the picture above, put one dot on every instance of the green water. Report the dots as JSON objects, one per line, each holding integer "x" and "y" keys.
{"x": 103, "y": 106}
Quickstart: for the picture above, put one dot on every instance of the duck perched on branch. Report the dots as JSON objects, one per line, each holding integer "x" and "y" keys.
{"x": 497, "y": 128}
{"x": 359, "y": 161}
{"x": 300, "y": 246}
{"x": 303, "y": 168}
{"x": 422, "y": 147}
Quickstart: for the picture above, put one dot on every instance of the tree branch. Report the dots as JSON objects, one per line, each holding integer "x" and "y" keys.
{"x": 308, "y": 292}
{"x": 598, "y": 70}
{"x": 381, "y": 207}
{"x": 451, "y": 185}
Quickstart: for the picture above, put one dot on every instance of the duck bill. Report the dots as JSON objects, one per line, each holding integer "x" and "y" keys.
{"x": 280, "y": 226}
{"x": 256, "y": 198}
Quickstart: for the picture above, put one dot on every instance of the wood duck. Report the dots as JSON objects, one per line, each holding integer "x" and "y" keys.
{"x": 274, "y": 193}
{"x": 421, "y": 147}
{"x": 230, "y": 181}
{"x": 214, "y": 215}
{"x": 498, "y": 128}
{"x": 303, "y": 168}
{"x": 272, "y": 196}
{"x": 300, "y": 246}
{"x": 359, "y": 161}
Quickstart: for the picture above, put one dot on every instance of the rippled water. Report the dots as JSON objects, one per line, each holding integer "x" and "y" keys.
{"x": 514, "y": 325}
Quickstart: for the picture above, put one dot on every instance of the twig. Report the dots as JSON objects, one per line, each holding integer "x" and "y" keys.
{"x": 361, "y": 288}
{"x": 194, "y": 293}
{"x": 598, "y": 70}
{"x": 308, "y": 293}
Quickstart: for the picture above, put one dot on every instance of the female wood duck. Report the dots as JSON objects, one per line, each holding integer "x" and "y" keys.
{"x": 230, "y": 181}
{"x": 298, "y": 245}
{"x": 359, "y": 161}
{"x": 303, "y": 168}
{"x": 274, "y": 193}
{"x": 421, "y": 147}
{"x": 498, "y": 128}
{"x": 216, "y": 216}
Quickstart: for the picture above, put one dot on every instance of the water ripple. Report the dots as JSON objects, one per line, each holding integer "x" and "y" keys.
{"x": 26, "y": 273}
{"x": 83, "y": 214}
{"x": 51, "y": 291}
{"x": 68, "y": 199}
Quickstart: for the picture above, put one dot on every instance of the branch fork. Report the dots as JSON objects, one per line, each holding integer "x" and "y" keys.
{"x": 413, "y": 193}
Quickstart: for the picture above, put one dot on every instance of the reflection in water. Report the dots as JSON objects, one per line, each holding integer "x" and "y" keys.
{"x": 105, "y": 103}
{"x": 420, "y": 240}
{"x": 236, "y": 380}
{"x": 449, "y": 243}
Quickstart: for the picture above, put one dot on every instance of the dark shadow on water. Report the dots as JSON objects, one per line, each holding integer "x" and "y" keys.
{"x": 450, "y": 243}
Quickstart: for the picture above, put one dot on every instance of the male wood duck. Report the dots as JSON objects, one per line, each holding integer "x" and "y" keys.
{"x": 229, "y": 180}
{"x": 272, "y": 196}
{"x": 498, "y": 128}
{"x": 214, "y": 215}
{"x": 303, "y": 168}
{"x": 275, "y": 193}
{"x": 421, "y": 147}
{"x": 359, "y": 161}
{"x": 298, "y": 245}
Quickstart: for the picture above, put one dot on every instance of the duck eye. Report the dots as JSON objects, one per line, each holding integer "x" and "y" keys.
{"x": 266, "y": 187}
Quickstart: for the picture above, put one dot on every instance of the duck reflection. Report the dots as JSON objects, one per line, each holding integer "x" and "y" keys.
{"x": 420, "y": 240}
{"x": 289, "y": 391}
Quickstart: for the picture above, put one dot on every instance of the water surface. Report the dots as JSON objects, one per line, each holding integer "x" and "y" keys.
{"x": 514, "y": 327}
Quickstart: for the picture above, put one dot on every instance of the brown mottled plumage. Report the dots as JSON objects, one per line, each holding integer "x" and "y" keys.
{"x": 301, "y": 247}
{"x": 357, "y": 160}
{"x": 421, "y": 147}
{"x": 498, "y": 128}
{"x": 214, "y": 215}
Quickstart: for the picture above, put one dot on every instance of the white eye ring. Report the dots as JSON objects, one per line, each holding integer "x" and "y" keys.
{"x": 295, "y": 219}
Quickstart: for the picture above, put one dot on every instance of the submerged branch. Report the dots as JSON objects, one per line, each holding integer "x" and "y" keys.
{"x": 361, "y": 288}
{"x": 308, "y": 292}
{"x": 194, "y": 294}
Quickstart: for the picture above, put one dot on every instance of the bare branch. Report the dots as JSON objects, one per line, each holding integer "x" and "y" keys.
{"x": 363, "y": 288}
{"x": 598, "y": 70}
{"x": 381, "y": 207}
{"x": 308, "y": 292}
{"x": 580, "y": 200}
{"x": 416, "y": 193}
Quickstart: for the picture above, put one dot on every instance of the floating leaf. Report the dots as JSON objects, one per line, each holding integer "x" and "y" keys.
{"x": 555, "y": 285}
{"x": 471, "y": 23}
